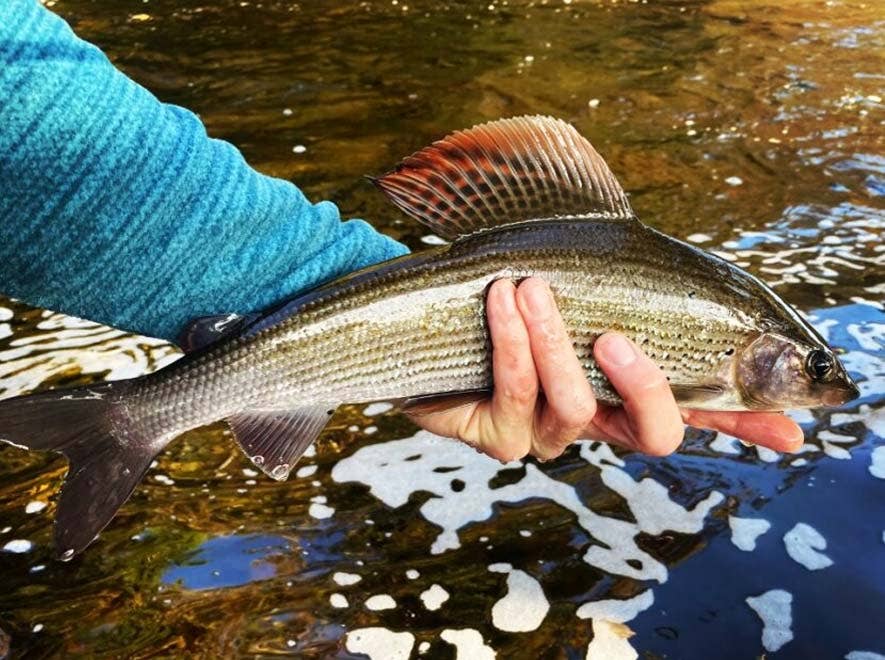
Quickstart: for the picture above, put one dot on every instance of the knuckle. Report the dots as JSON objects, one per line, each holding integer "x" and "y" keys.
{"x": 522, "y": 391}
{"x": 578, "y": 416}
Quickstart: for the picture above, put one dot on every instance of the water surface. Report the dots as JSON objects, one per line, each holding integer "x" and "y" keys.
{"x": 750, "y": 129}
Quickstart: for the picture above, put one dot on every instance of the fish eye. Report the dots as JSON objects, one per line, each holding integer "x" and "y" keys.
{"x": 820, "y": 365}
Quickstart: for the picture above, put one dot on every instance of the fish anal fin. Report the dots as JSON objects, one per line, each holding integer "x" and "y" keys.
{"x": 433, "y": 403}
{"x": 274, "y": 440}
{"x": 503, "y": 172}
{"x": 207, "y": 330}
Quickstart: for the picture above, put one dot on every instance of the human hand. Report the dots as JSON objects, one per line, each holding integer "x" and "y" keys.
{"x": 542, "y": 401}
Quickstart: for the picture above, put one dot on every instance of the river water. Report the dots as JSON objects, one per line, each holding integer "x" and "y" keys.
{"x": 754, "y": 130}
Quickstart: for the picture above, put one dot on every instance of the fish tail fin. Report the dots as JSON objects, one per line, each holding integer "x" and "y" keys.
{"x": 107, "y": 454}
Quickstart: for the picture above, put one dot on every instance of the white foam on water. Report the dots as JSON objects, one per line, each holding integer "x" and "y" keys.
{"x": 830, "y": 443}
{"x": 434, "y": 597}
{"x": 392, "y": 478}
{"x": 610, "y": 642}
{"x": 92, "y": 348}
{"x": 18, "y": 546}
{"x": 306, "y": 471}
{"x": 699, "y": 238}
{"x": 423, "y": 647}
{"x": 524, "y": 606}
{"x": 338, "y": 600}
{"x": 652, "y": 507}
{"x": 801, "y": 416}
{"x": 320, "y": 511}
{"x": 36, "y": 506}
{"x": 767, "y": 455}
{"x": 468, "y": 643}
{"x": 380, "y": 643}
{"x": 775, "y": 609}
{"x": 380, "y": 602}
{"x": 745, "y": 531}
{"x": 377, "y": 408}
{"x": 6, "y": 314}
{"x": 868, "y": 337}
{"x": 874, "y": 420}
{"x": 346, "y": 579}
{"x": 617, "y": 610}
{"x": 803, "y": 543}
{"x": 864, "y": 655}
{"x": 412, "y": 574}
{"x": 877, "y": 462}
{"x": 725, "y": 444}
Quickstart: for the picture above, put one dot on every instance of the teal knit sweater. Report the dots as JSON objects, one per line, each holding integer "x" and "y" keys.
{"x": 118, "y": 208}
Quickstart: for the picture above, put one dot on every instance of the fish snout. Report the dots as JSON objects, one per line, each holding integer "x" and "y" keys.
{"x": 840, "y": 393}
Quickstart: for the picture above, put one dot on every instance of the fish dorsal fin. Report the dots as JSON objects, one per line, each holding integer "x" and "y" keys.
{"x": 207, "y": 330}
{"x": 274, "y": 440}
{"x": 502, "y": 172}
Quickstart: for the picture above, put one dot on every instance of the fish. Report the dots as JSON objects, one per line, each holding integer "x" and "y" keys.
{"x": 513, "y": 198}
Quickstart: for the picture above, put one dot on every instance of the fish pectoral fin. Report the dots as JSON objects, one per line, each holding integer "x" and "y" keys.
{"x": 207, "y": 330}
{"x": 686, "y": 394}
{"x": 503, "y": 172}
{"x": 274, "y": 440}
{"x": 434, "y": 403}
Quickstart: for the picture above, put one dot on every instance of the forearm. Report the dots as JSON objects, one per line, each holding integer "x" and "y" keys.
{"x": 118, "y": 208}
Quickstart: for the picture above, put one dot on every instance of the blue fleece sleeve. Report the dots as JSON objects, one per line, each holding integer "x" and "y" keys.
{"x": 118, "y": 208}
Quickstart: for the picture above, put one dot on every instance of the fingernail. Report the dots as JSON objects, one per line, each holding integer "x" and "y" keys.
{"x": 504, "y": 293}
{"x": 538, "y": 300}
{"x": 617, "y": 350}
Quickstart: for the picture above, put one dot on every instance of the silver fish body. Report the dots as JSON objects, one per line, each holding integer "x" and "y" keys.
{"x": 519, "y": 198}
{"x": 416, "y": 326}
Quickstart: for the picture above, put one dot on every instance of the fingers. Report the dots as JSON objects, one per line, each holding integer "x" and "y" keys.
{"x": 652, "y": 421}
{"x": 508, "y": 427}
{"x": 772, "y": 430}
{"x": 569, "y": 402}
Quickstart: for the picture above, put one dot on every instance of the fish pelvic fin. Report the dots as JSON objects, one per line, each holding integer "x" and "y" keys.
{"x": 504, "y": 172}
{"x": 421, "y": 406}
{"x": 107, "y": 455}
{"x": 274, "y": 440}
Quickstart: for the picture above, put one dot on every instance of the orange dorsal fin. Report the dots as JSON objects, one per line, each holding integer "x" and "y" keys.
{"x": 503, "y": 172}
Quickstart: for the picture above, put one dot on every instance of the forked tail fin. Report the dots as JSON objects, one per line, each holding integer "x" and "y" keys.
{"x": 107, "y": 457}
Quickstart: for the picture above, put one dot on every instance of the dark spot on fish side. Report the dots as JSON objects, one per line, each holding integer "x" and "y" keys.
{"x": 457, "y": 485}
{"x": 691, "y": 294}
{"x": 634, "y": 563}
{"x": 443, "y": 470}
{"x": 413, "y": 457}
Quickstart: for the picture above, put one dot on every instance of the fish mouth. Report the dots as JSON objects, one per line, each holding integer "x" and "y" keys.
{"x": 836, "y": 396}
